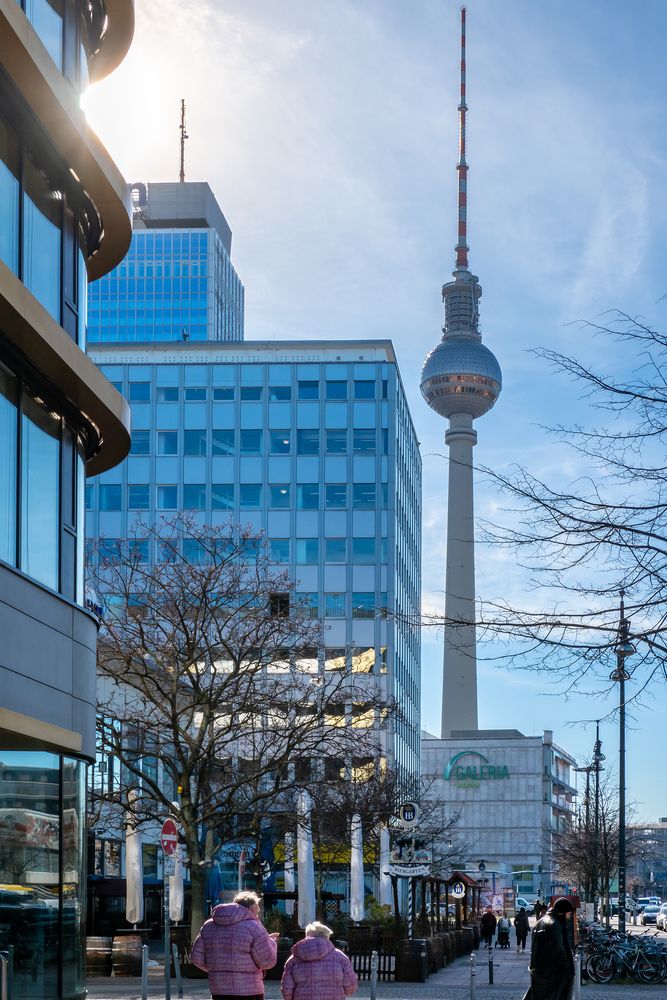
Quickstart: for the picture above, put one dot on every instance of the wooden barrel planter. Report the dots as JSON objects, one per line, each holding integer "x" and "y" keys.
{"x": 477, "y": 935}
{"x": 437, "y": 953}
{"x": 468, "y": 943}
{"x": 449, "y": 945}
{"x": 126, "y": 955}
{"x": 412, "y": 962}
{"x": 98, "y": 956}
{"x": 284, "y": 948}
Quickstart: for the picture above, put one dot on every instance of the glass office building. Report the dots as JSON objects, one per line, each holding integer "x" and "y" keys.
{"x": 177, "y": 281}
{"x": 311, "y": 444}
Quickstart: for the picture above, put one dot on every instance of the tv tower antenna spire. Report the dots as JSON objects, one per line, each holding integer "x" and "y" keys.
{"x": 184, "y": 136}
{"x": 462, "y": 167}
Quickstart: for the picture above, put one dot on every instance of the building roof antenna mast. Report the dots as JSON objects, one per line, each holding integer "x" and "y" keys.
{"x": 184, "y": 136}
{"x": 462, "y": 167}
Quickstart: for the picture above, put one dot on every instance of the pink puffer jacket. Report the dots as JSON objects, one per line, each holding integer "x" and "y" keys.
{"x": 234, "y": 948}
{"x": 317, "y": 971}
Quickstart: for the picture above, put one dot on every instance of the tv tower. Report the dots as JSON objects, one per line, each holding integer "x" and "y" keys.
{"x": 460, "y": 380}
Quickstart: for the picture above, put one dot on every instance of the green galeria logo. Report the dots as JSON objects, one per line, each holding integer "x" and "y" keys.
{"x": 470, "y": 775}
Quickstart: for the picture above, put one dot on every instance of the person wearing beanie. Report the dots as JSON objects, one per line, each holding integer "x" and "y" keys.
{"x": 551, "y": 962}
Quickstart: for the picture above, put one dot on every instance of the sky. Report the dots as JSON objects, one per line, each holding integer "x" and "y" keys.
{"x": 328, "y": 132}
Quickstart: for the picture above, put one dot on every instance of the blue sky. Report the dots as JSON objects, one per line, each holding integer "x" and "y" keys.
{"x": 328, "y": 132}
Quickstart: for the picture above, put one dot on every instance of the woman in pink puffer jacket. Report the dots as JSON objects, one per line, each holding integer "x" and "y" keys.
{"x": 234, "y": 949}
{"x": 316, "y": 970}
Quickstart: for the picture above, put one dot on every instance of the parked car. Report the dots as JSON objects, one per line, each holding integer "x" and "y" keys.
{"x": 645, "y": 901}
{"x": 661, "y": 919}
{"x": 649, "y": 914}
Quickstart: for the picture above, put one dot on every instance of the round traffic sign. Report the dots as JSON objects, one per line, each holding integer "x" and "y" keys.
{"x": 169, "y": 837}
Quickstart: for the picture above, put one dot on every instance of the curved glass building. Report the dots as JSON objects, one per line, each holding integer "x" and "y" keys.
{"x": 64, "y": 220}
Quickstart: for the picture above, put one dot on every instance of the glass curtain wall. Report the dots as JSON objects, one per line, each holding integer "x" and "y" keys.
{"x": 42, "y": 872}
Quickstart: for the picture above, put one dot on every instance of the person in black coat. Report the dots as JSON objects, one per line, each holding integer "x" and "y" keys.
{"x": 487, "y": 926}
{"x": 551, "y": 962}
{"x": 522, "y": 927}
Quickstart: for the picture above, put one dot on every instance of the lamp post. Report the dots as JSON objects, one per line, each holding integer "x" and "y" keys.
{"x": 624, "y": 648}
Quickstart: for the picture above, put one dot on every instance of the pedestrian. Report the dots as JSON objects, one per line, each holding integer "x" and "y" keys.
{"x": 522, "y": 926}
{"x": 551, "y": 963}
{"x": 487, "y": 926}
{"x": 316, "y": 970}
{"x": 503, "y": 930}
{"x": 235, "y": 949}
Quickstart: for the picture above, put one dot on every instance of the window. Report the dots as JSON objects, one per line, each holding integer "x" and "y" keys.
{"x": 279, "y": 442}
{"x": 336, "y": 442}
{"x": 138, "y": 549}
{"x": 90, "y": 490}
{"x": 334, "y": 659}
{"x": 222, "y": 496}
{"x": 194, "y": 442}
{"x": 40, "y": 493}
{"x": 140, "y": 392}
{"x": 8, "y": 426}
{"x": 334, "y": 769}
{"x": 42, "y": 238}
{"x": 308, "y": 496}
{"x": 167, "y": 442}
{"x": 279, "y": 605}
{"x": 250, "y": 496}
{"x": 9, "y": 198}
{"x": 307, "y": 442}
{"x": 307, "y": 551}
{"x": 363, "y": 659}
{"x": 335, "y": 496}
{"x": 334, "y": 605}
{"x": 138, "y": 496}
{"x": 334, "y": 715}
{"x": 223, "y": 393}
{"x": 250, "y": 550}
{"x": 47, "y": 20}
{"x": 335, "y": 550}
{"x": 363, "y": 604}
{"x": 363, "y": 550}
{"x": 195, "y": 393}
{"x": 363, "y": 716}
{"x": 251, "y": 442}
{"x": 279, "y": 550}
{"x": 385, "y": 388}
{"x": 307, "y": 604}
{"x": 141, "y": 443}
{"x": 279, "y": 496}
{"x": 364, "y": 390}
{"x": 363, "y": 441}
{"x": 224, "y": 442}
{"x": 251, "y": 393}
{"x": 167, "y": 394}
{"x": 363, "y": 496}
{"x": 280, "y": 393}
{"x": 167, "y": 497}
{"x": 110, "y": 549}
{"x": 111, "y": 496}
{"x": 308, "y": 390}
{"x": 194, "y": 496}
{"x": 337, "y": 390}
{"x": 194, "y": 552}
{"x": 385, "y": 441}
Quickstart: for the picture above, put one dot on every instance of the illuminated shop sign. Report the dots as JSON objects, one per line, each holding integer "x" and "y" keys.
{"x": 469, "y": 774}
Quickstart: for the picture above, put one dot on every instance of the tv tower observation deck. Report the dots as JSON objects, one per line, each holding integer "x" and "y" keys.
{"x": 460, "y": 380}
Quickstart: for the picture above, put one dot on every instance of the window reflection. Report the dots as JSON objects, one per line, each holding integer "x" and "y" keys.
{"x": 8, "y": 460}
{"x": 47, "y": 20}
{"x": 9, "y": 198}
{"x": 42, "y": 225}
{"x": 40, "y": 460}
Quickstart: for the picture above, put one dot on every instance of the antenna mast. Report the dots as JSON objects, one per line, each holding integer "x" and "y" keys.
{"x": 184, "y": 136}
{"x": 462, "y": 166}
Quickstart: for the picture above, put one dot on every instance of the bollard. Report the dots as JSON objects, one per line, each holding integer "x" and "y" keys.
{"x": 576, "y": 993}
{"x": 144, "y": 972}
{"x": 374, "y": 975}
{"x": 490, "y": 970}
{"x": 473, "y": 973}
{"x": 4, "y": 976}
{"x": 177, "y": 970}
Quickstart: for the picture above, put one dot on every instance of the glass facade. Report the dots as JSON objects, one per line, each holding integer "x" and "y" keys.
{"x": 69, "y": 31}
{"x": 246, "y": 449}
{"x": 42, "y": 872}
{"x": 174, "y": 284}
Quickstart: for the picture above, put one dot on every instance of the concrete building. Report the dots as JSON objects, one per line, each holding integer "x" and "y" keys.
{"x": 310, "y": 443}
{"x": 177, "y": 281}
{"x": 648, "y": 876}
{"x": 514, "y": 793}
{"x": 64, "y": 221}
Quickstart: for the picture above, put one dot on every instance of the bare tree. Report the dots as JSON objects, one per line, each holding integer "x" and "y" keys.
{"x": 210, "y": 688}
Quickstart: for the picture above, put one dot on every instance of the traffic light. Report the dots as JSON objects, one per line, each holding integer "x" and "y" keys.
{"x": 539, "y": 869}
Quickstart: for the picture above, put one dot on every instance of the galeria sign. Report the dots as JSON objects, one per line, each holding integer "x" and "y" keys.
{"x": 468, "y": 774}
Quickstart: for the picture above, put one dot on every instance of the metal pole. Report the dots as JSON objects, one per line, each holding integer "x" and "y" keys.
{"x": 144, "y": 972}
{"x": 177, "y": 969}
{"x": 411, "y": 907}
{"x": 4, "y": 976}
{"x": 621, "y": 798}
{"x": 167, "y": 956}
{"x": 374, "y": 975}
{"x": 473, "y": 973}
{"x": 491, "y": 968}
{"x": 576, "y": 992}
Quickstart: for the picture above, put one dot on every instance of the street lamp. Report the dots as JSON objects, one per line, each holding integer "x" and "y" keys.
{"x": 624, "y": 648}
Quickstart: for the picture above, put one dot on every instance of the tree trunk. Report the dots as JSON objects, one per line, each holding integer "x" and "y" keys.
{"x": 198, "y": 878}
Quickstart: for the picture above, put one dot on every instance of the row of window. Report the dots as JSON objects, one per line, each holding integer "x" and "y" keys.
{"x": 68, "y": 30}
{"x": 141, "y": 392}
{"x": 196, "y": 443}
{"x": 248, "y": 496}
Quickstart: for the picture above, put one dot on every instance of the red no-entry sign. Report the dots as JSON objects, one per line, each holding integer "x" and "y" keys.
{"x": 169, "y": 837}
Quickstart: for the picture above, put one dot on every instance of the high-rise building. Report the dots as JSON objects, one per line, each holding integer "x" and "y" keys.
{"x": 177, "y": 281}
{"x": 460, "y": 380}
{"x": 64, "y": 220}
{"x": 311, "y": 444}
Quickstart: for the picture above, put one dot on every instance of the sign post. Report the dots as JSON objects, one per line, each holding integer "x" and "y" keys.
{"x": 169, "y": 843}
